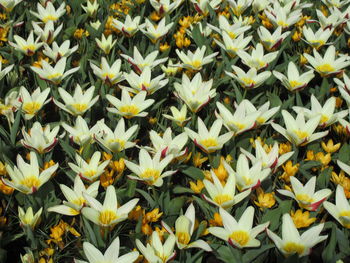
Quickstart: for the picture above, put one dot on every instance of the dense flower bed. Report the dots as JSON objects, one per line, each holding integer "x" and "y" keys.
{"x": 174, "y": 130}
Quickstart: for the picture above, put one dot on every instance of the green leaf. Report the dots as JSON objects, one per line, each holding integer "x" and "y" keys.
{"x": 149, "y": 199}
{"x": 182, "y": 190}
{"x": 89, "y": 232}
{"x": 15, "y": 127}
{"x": 194, "y": 173}
{"x": 254, "y": 253}
{"x": 328, "y": 254}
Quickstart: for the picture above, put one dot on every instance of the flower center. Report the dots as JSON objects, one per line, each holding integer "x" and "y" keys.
{"x": 295, "y": 83}
{"x": 30, "y": 181}
{"x": 196, "y": 63}
{"x": 325, "y": 68}
{"x": 49, "y": 17}
{"x": 89, "y": 173}
{"x": 324, "y": 118}
{"x": 241, "y": 237}
{"x": 107, "y": 217}
{"x": 247, "y": 180}
{"x": 30, "y": 48}
{"x": 239, "y": 126}
{"x": 108, "y": 76}
{"x": 130, "y": 110}
{"x": 31, "y": 107}
{"x": 282, "y": 23}
{"x": 54, "y": 76}
{"x": 291, "y": 248}
{"x": 80, "y": 107}
{"x": 183, "y": 237}
{"x": 231, "y": 34}
{"x": 301, "y": 134}
{"x": 121, "y": 143}
{"x": 79, "y": 202}
{"x": 248, "y": 81}
{"x": 151, "y": 174}
{"x": 304, "y": 198}
{"x": 209, "y": 142}
{"x": 220, "y": 199}
{"x": 344, "y": 217}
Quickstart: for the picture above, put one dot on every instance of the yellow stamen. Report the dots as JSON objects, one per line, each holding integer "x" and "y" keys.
{"x": 301, "y": 134}
{"x": 31, "y": 107}
{"x": 30, "y": 181}
{"x": 209, "y": 142}
{"x": 80, "y": 107}
{"x": 150, "y": 174}
{"x": 304, "y": 198}
{"x": 130, "y": 110}
{"x": 49, "y": 17}
{"x": 196, "y": 64}
{"x": 89, "y": 173}
{"x": 106, "y": 217}
{"x": 325, "y": 68}
{"x": 295, "y": 83}
{"x": 241, "y": 237}
{"x": 291, "y": 248}
{"x": 183, "y": 238}
{"x": 223, "y": 198}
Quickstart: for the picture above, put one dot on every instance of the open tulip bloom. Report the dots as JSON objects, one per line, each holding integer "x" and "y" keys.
{"x": 89, "y": 171}
{"x": 257, "y": 59}
{"x": 239, "y": 234}
{"x": 130, "y": 25}
{"x": 109, "y": 74}
{"x": 155, "y": 251}
{"x": 117, "y": 140}
{"x": 26, "y": 177}
{"x": 80, "y": 133}
{"x": 28, "y": 218}
{"x": 94, "y": 255}
{"x": 305, "y": 195}
{"x": 166, "y": 144}
{"x": 57, "y": 52}
{"x": 144, "y": 81}
{"x": 294, "y": 81}
{"x": 328, "y": 64}
{"x": 109, "y": 213}
{"x": 249, "y": 177}
{"x": 139, "y": 63}
{"x": 242, "y": 120}
{"x": 196, "y": 93}
{"x": 79, "y": 103}
{"x": 75, "y": 198}
{"x": 269, "y": 159}
{"x": 130, "y": 107}
{"x": 195, "y": 60}
{"x": 341, "y": 209}
{"x": 184, "y": 227}
{"x": 150, "y": 170}
{"x": 209, "y": 140}
{"x": 265, "y": 112}
{"x": 294, "y": 243}
{"x": 328, "y": 117}
{"x": 251, "y": 79}
{"x": 49, "y": 12}
{"x": 54, "y": 74}
{"x": 223, "y": 195}
{"x": 27, "y": 47}
{"x": 297, "y": 130}
{"x": 32, "y": 103}
{"x": 41, "y": 139}
{"x": 344, "y": 87}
